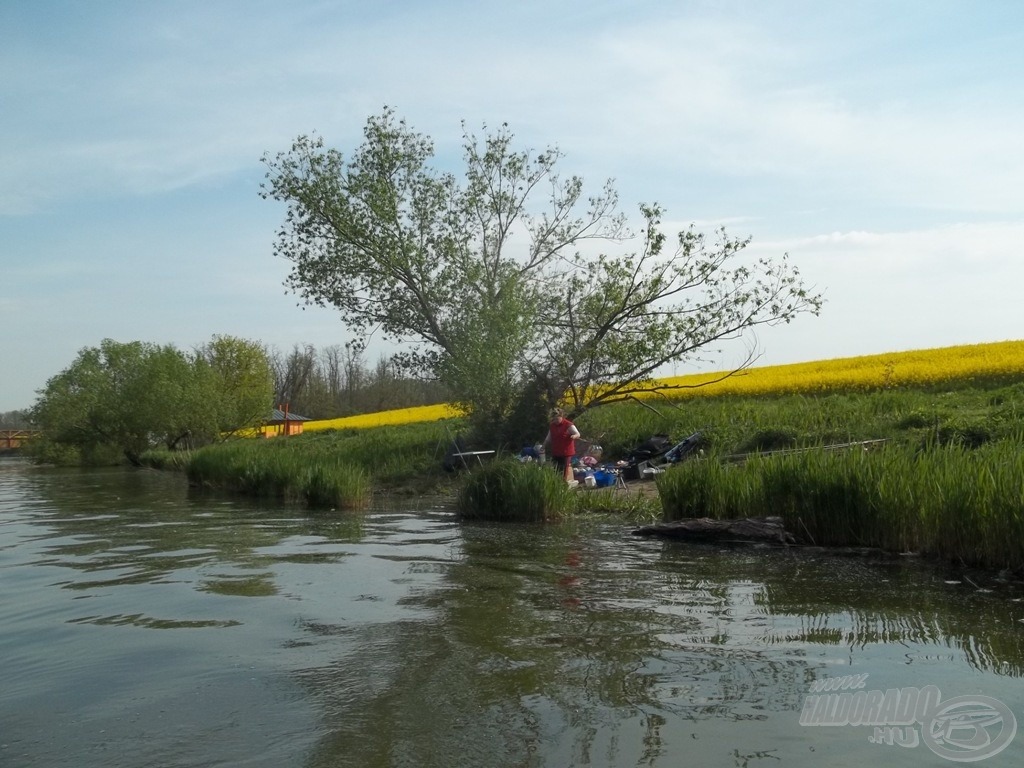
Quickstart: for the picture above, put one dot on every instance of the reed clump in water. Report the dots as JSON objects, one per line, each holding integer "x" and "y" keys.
{"x": 954, "y": 503}
{"x": 508, "y": 490}
{"x": 317, "y": 478}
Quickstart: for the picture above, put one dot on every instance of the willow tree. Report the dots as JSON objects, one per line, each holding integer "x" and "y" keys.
{"x": 122, "y": 399}
{"x": 509, "y": 278}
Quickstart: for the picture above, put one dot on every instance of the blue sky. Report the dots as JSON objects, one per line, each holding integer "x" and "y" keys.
{"x": 878, "y": 143}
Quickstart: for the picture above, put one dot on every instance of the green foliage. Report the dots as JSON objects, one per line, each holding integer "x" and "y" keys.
{"x": 395, "y": 245}
{"x": 335, "y": 469}
{"x": 512, "y": 491}
{"x": 126, "y": 396}
{"x": 431, "y": 260}
{"x": 390, "y": 455}
{"x": 960, "y": 505}
{"x": 119, "y": 400}
{"x": 239, "y": 383}
{"x": 267, "y": 469}
{"x": 736, "y": 425}
{"x": 525, "y": 424}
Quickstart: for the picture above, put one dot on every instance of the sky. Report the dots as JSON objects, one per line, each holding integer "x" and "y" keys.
{"x": 877, "y": 143}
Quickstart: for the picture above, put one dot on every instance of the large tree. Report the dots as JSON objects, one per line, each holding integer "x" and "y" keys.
{"x": 125, "y": 398}
{"x": 240, "y": 389}
{"x": 122, "y": 397}
{"x": 509, "y": 280}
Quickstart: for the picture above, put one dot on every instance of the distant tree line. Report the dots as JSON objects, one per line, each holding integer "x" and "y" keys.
{"x": 14, "y": 420}
{"x": 336, "y": 381}
{"x": 118, "y": 400}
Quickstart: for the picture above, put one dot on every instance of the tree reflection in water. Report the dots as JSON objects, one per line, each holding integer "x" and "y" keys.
{"x": 563, "y": 646}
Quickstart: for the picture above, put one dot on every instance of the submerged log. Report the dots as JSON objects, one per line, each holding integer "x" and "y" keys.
{"x": 767, "y": 529}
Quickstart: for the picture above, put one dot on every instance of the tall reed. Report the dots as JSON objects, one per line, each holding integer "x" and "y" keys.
{"x": 961, "y": 505}
{"x": 509, "y": 490}
{"x": 269, "y": 470}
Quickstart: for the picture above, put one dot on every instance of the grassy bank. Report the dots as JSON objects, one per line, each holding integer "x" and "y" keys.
{"x": 969, "y": 415}
{"x": 329, "y": 469}
{"x": 954, "y": 503}
{"x": 317, "y": 478}
{"x": 948, "y": 481}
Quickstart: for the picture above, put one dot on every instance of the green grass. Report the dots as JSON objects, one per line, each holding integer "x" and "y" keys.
{"x": 317, "y": 478}
{"x": 954, "y": 503}
{"x": 949, "y": 481}
{"x": 322, "y": 469}
{"x": 734, "y": 425}
{"x": 509, "y": 490}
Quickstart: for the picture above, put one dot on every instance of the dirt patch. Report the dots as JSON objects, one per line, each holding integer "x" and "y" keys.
{"x": 646, "y": 488}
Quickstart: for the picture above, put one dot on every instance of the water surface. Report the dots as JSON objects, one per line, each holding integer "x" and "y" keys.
{"x": 142, "y": 624}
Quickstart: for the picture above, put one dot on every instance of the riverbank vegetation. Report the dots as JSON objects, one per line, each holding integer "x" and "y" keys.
{"x": 333, "y": 469}
{"x": 308, "y": 473}
{"x": 952, "y": 502}
{"x": 511, "y": 490}
{"x": 119, "y": 400}
{"x": 931, "y": 464}
{"x": 934, "y": 469}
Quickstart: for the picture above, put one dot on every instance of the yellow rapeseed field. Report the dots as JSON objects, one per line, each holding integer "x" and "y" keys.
{"x": 386, "y": 418}
{"x": 968, "y": 363}
{"x": 924, "y": 367}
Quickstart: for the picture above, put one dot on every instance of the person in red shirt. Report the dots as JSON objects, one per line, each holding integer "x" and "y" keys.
{"x": 562, "y": 436}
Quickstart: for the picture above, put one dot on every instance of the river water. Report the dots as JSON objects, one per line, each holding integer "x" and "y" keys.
{"x": 143, "y": 624}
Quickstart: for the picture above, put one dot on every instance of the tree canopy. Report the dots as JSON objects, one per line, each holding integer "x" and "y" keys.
{"x": 125, "y": 398}
{"x": 510, "y": 282}
{"x": 239, "y": 388}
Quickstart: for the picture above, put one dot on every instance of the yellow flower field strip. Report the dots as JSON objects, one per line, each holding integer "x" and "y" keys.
{"x": 917, "y": 367}
{"x": 414, "y": 415}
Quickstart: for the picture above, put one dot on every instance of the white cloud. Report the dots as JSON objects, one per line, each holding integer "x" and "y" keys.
{"x": 890, "y": 291}
{"x": 671, "y": 92}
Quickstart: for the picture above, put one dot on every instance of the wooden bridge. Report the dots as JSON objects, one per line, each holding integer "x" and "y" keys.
{"x": 13, "y": 438}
